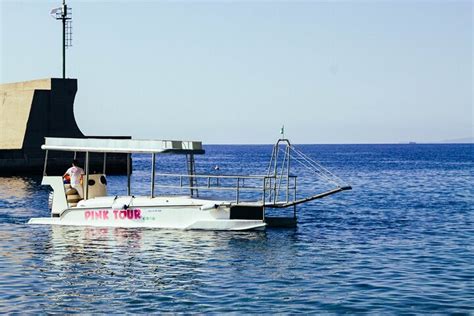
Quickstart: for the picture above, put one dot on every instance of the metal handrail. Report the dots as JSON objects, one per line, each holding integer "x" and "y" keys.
{"x": 217, "y": 176}
{"x": 240, "y": 188}
{"x": 263, "y": 187}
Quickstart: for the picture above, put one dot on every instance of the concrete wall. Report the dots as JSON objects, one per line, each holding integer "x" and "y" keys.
{"x": 15, "y": 105}
{"x": 32, "y": 110}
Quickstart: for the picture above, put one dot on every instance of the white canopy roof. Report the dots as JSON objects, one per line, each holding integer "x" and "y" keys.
{"x": 107, "y": 145}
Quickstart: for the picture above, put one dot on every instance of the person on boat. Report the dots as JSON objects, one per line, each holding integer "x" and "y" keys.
{"x": 75, "y": 173}
{"x": 67, "y": 179}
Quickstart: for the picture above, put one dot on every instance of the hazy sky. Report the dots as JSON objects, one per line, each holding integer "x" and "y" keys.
{"x": 234, "y": 72}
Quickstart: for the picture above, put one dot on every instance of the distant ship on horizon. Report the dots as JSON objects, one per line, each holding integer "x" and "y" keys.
{"x": 464, "y": 140}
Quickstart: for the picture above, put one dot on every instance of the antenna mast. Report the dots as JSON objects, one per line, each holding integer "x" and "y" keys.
{"x": 64, "y": 13}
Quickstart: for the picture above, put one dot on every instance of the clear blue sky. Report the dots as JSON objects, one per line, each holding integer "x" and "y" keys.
{"x": 234, "y": 72}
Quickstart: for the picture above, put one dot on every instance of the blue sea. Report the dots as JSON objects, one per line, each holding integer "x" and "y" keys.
{"x": 401, "y": 242}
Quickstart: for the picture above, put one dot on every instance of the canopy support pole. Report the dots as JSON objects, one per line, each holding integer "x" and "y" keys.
{"x": 128, "y": 174}
{"x": 45, "y": 163}
{"x": 153, "y": 159}
{"x": 105, "y": 163}
{"x": 87, "y": 176}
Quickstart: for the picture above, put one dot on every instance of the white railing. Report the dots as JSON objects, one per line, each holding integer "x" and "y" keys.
{"x": 267, "y": 188}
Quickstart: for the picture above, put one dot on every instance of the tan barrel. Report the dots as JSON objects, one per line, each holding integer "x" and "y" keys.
{"x": 73, "y": 198}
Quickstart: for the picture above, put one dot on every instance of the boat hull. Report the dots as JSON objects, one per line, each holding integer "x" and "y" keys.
{"x": 167, "y": 217}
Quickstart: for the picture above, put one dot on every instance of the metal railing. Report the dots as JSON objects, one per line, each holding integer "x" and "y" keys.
{"x": 267, "y": 188}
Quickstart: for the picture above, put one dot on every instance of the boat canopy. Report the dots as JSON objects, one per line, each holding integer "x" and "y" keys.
{"x": 102, "y": 145}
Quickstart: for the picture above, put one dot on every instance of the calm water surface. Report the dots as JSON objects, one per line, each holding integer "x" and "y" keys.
{"x": 402, "y": 241}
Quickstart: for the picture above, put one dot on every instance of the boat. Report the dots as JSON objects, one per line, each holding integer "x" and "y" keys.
{"x": 201, "y": 207}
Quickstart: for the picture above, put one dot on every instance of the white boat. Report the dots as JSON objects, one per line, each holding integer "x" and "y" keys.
{"x": 275, "y": 190}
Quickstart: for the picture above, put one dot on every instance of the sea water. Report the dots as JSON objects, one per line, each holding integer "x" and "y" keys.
{"x": 402, "y": 241}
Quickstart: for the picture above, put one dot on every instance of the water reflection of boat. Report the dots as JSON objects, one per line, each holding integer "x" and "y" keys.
{"x": 71, "y": 243}
{"x": 254, "y": 194}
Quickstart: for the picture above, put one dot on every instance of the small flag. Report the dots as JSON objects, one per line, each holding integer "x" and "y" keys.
{"x": 54, "y": 12}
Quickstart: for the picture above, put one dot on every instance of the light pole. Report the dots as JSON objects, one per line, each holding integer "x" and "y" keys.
{"x": 64, "y": 14}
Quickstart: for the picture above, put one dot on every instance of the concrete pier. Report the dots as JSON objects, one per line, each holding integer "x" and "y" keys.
{"x": 32, "y": 110}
